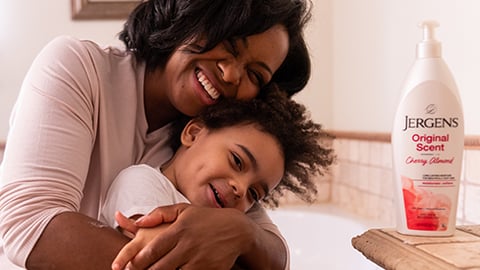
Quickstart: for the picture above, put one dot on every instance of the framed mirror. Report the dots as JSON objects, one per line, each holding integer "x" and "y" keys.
{"x": 102, "y": 9}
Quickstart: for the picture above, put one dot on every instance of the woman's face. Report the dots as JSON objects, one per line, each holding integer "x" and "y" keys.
{"x": 230, "y": 167}
{"x": 236, "y": 69}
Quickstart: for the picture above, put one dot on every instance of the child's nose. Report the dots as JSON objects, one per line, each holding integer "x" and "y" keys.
{"x": 239, "y": 188}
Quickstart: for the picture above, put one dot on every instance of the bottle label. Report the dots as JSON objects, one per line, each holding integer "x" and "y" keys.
{"x": 428, "y": 149}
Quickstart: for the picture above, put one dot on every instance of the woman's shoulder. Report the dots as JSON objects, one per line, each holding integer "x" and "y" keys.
{"x": 67, "y": 43}
{"x": 70, "y": 46}
{"x": 65, "y": 49}
{"x": 85, "y": 58}
{"x": 65, "y": 39}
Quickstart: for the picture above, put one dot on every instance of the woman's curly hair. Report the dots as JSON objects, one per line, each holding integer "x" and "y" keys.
{"x": 290, "y": 124}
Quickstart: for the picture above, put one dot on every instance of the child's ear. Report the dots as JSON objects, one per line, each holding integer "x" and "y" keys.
{"x": 191, "y": 131}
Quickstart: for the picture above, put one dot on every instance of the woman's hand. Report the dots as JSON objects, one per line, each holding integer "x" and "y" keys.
{"x": 198, "y": 238}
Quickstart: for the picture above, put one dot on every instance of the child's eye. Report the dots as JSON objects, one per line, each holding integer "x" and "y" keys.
{"x": 254, "y": 194}
{"x": 237, "y": 161}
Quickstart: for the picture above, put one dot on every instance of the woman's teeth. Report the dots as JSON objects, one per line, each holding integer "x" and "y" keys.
{"x": 212, "y": 92}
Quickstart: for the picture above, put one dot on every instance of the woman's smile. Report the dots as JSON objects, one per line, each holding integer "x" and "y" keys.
{"x": 207, "y": 85}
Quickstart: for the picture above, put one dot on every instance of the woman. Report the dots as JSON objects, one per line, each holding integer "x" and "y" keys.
{"x": 85, "y": 112}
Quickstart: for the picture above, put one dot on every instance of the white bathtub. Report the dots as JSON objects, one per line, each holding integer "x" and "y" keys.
{"x": 320, "y": 239}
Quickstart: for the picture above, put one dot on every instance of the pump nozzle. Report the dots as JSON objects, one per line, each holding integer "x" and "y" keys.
{"x": 429, "y": 47}
{"x": 428, "y": 29}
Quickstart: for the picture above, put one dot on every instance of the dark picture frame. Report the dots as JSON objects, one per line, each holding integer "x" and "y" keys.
{"x": 102, "y": 9}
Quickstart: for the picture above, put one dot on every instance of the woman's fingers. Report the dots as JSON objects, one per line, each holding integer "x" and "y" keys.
{"x": 174, "y": 259}
{"x": 157, "y": 253}
{"x": 126, "y": 254}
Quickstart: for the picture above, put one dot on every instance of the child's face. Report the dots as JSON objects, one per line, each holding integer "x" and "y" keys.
{"x": 231, "y": 167}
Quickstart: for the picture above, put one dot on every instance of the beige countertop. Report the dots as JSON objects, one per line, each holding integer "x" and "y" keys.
{"x": 394, "y": 251}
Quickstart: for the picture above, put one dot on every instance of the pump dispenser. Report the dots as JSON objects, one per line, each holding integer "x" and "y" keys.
{"x": 427, "y": 143}
{"x": 429, "y": 47}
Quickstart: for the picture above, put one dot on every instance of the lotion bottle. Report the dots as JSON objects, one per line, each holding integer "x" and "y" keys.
{"x": 427, "y": 144}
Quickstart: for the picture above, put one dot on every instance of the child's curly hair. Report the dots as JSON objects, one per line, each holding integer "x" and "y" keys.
{"x": 287, "y": 121}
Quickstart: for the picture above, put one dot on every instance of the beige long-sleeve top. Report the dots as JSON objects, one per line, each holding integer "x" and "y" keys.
{"x": 78, "y": 121}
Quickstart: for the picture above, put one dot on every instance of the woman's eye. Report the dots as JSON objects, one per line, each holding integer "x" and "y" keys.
{"x": 257, "y": 78}
{"x": 231, "y": 47}
{"x": 194, "y": 48}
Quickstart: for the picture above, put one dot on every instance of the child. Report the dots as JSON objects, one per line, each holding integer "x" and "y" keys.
{"x": 233, "y": 155}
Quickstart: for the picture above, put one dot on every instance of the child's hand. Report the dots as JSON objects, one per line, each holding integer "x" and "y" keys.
{"x": 126, "y": 225}
{"x": 141, "y": 238}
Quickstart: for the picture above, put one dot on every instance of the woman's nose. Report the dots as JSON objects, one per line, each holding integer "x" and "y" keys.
{"x": 231, "y": 71}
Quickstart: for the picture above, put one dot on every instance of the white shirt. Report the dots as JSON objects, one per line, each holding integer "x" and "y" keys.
{"x": 138, "y": 190}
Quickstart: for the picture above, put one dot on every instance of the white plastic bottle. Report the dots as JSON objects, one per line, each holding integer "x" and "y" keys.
{"x": 428, "y": 141}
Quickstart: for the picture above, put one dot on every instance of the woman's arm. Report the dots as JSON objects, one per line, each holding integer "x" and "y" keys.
{"x": 267, "y": 252}
{"x": 270, "y": 239}
{"x": 48, "y": 151}
{"x": 92, "y": 246}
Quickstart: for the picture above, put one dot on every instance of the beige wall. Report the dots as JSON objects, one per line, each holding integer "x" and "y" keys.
{"x": 374, "y": 46}
{"x": 25, "y": 27}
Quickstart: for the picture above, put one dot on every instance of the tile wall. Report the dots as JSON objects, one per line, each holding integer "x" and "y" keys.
{"x": 362, "y": 182}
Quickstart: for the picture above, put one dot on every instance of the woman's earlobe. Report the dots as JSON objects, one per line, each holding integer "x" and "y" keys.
{"x": 191, "y": 131}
